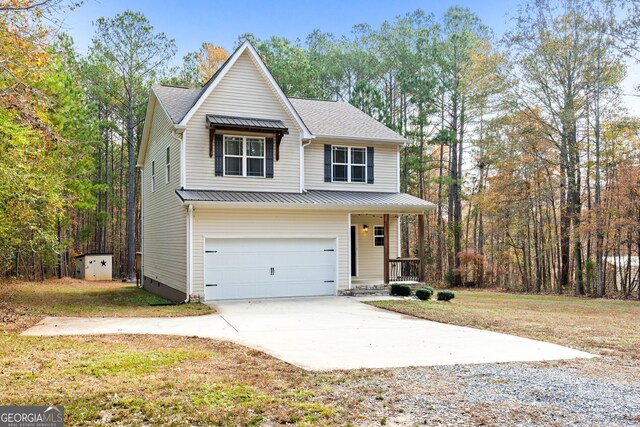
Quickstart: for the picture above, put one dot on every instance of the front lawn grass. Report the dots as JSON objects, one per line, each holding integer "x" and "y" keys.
{"x": 27, "y": 302}
{"x": 141, "y": 380}
{"x": 165, "y": 380}
{"x": 601, "y": 326}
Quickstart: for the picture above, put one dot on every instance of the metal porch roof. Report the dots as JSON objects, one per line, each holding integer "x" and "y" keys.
{"x": 311, "y": 198}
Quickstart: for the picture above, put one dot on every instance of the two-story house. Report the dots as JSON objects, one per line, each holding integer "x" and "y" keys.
{"x": 249, "y": 194}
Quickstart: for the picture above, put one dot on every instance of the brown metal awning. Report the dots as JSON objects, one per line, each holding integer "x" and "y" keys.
{"x": 217, "y": 122}
{"x": 246, "y": 123}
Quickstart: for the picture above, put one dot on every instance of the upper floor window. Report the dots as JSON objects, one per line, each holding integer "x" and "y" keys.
{"x": 244, "y": 156}
{"x": 153, "y": 176}
{"x": 168, "y": 165}
{"x": 349, "y": 164}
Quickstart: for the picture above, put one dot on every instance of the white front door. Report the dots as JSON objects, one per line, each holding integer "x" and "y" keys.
{"x": 267, "y": 268}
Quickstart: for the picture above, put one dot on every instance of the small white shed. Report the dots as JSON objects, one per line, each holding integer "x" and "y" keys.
{"x": 94, "y": 267}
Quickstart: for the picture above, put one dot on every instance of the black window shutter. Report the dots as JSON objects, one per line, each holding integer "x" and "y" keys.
{"x": 369, "y": 165}
{"x": 219, "y": 155}
{"x": 327, "y": 163}
{"x": 268, "y": 157}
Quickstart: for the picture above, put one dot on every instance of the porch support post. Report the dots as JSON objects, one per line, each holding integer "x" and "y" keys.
{"x": 421, "y": 247}
{"x": 386, "y": 248}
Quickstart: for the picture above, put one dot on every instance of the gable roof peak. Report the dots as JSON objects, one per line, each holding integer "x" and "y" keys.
{"x": 208, "y": 87}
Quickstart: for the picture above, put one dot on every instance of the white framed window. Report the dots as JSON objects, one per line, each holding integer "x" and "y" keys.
{"x": 349, "y": 164}
{"x": 358, "y": 164}
{"x": 244, "y": 156}
{"x": 378, "y": 235}
{"x": 255, "y": 158}
{"x": 340, "y": 164}
{"x": 168, "y": 166}
{"x": 153, "y": 176}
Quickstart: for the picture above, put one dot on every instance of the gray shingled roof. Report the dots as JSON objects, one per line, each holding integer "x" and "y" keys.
{"x": 176, "y": 100}
{"x": 341, "y": 119}
{"x": 342, "y": 199}
{"x": 325, "y": 118}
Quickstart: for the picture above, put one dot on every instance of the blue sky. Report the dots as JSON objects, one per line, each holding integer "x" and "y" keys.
{"x": 192, "y": 22}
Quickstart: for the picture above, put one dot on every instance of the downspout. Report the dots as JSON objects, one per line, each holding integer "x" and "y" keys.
{"x": 189, "y": 251}
{"x": 350, "y": 247}
{"x": 179, "y": 133}
{"x": 141, "y": 227}
{"x": 304, "y": 145}
{"x": 398, "y": 169}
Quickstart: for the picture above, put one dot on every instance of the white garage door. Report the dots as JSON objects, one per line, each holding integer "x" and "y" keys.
{"x": 267, "y": 268}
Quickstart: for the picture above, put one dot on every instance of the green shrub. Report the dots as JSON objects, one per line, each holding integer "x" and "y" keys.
{"x": 445, "y": 295}
{"x": 448, "y": 278}
{"x": 424, "y": 292}
{"x": 401, "y": 289}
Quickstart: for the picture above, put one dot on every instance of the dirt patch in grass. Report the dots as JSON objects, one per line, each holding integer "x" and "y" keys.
{"x": 173, "y": 381}
{"x": 605, "y": 327}
{"x": 23, "y": 304}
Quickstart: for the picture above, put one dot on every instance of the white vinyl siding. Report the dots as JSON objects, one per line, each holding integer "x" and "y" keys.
{"x": 263, "y": 223}
{"x": 244, "y": 92}
{"x": 165, "y": 226}
{"x": 385, "y": 167}
{"x": 370, "y": 257}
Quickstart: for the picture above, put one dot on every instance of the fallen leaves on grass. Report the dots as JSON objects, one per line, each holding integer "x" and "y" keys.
{"x": 606, "y": 327}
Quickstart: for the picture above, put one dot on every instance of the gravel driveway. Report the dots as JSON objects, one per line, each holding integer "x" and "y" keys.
{"x": 513, "y": 394}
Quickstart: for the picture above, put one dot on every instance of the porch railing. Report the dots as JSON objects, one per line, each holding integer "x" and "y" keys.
{"x": 404, "y": 269}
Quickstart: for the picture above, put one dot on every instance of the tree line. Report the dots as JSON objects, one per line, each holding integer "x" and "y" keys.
{"x": 521, "y": 142}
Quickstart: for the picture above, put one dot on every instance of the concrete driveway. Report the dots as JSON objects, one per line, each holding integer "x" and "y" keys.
{"x": 328, "y": 333}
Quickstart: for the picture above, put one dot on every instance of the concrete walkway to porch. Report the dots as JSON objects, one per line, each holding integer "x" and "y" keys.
{"x": 323, "y": 333}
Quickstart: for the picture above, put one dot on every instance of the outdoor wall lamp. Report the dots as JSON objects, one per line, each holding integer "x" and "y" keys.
{"x": 365, "y": 228}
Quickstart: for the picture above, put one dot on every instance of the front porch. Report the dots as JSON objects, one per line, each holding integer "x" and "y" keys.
{"x": 375, "y": 252}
